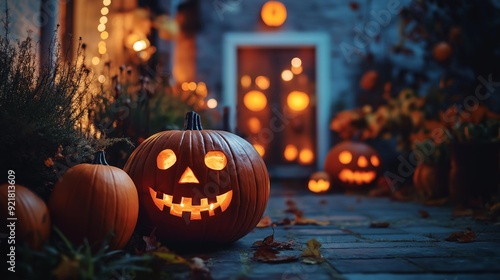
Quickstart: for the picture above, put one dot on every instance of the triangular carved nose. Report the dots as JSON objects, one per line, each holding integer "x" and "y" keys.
{"x": 188, "y": 177}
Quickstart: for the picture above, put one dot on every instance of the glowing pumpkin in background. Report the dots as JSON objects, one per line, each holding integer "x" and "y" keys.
{"x": 33, "y": 219}
{"x": 319, "y": 182}
{"x": 353, "y": 165}
{"x": 198, "y": 186}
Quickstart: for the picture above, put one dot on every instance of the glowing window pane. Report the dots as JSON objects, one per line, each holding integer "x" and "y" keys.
{"x": 291, "y": 152}
{"x": 262, "y": 82}
{"x": 287, "y": 75}
{"x": 297, "y": 100}
{"x": 306, "y": 156}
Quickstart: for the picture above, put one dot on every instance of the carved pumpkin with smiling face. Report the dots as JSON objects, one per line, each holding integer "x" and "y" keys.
{"x": 198, "y": 186}
{"x": 353, "y": 165}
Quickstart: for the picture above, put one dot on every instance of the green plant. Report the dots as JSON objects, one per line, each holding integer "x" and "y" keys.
{"x": 42, "y": 108}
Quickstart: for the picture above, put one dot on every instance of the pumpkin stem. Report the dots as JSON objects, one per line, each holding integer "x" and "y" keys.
{"x": 192, "y": 121}
{"x": 100, "y": 158}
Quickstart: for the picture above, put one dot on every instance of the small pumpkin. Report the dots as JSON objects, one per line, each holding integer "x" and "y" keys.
{"x": 369, "y": 80}
{"x": 92, "y": 201}
{"x": 319, "y": 182}
{"x": 442, "y": 51}
{"x": 32, "y": 224}
{"x": 199, "y": 186}
{"x": 431, "y": 180}
{"x": 353, "y": 165}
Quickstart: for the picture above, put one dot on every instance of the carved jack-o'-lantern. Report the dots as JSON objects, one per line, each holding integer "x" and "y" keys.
{"x": 199, "y": 186}
{"x": 352, "y": 165}
{"x": 319, "y": 182}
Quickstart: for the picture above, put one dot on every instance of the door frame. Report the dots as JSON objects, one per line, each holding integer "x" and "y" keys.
{"x": 319, "y": 41}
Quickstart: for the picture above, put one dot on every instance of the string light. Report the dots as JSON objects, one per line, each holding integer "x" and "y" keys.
{"x": 101, "y": 27}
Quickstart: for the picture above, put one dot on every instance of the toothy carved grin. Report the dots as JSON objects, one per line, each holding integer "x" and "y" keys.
{"x": 358, "y": 177}
{"x": 186, "y": 206}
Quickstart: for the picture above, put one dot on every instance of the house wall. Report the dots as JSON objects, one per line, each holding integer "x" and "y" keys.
{"x": 25, "y": 17}
{"x": 353, "y": 31}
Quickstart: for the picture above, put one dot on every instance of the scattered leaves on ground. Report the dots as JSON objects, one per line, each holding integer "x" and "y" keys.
{"x": 270, "y": 242}
{"x": 308, "y": 221}
{"x": 437, "y": 202}
{"x": 462, "y": 212}
{"x": 424, "y": 214}
{"x": 312, "y": 253}
{"x": 379, "y": 224}
{"x": 465, "y": 236}
{"x": 268, "y": 250}
{"x": 264, "y": 222}
{"x": 268, "y": 254}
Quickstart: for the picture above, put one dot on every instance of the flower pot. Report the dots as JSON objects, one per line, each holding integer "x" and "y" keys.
{"x": 474, "y": 173}
{"x": 431, "y": 180}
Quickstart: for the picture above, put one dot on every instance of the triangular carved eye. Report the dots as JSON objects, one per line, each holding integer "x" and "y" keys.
{"x": 345, "y": 157}
{"x": 165, "y": 159}
{"x": 215, "y": 160}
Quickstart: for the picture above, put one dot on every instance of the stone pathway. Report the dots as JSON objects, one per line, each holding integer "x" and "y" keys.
{"x": 411, "y": 247}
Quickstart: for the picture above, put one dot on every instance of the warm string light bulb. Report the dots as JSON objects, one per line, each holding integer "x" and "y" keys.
{"x": 101, "y": 27}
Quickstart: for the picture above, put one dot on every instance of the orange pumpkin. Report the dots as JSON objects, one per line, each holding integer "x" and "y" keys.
{"x": 442, "y": 51}
{"x": 369, "y": 80}
{"x": 199, "y": 186}
{"x": 353, "y": 165}
{"x": 319, "y": 182}
{"x": 93, "y": 201}
{"x": 32, "y": 224}
{"x": 431, "y": 180}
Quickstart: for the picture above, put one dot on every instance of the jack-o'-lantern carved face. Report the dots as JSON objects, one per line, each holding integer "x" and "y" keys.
{"x": 192, "y": 206}
{"x": 319, "y": 182}
{"x": 352, "y": 164}
{"x": 198, "y": 185}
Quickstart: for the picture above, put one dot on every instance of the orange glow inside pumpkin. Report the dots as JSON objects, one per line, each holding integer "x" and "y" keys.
{"x": 358, "y": 177}
{"x": 165, "y": 159}
{"x": 186, "y": 206}
{"x": 215, "y": 160}
{"x": 317, "y": 186}
{"x": 273, "y": 13}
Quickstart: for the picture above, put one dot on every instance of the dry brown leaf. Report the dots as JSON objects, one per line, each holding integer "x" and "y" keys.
{"x": 465, "y": 236}
{"x": 424, "y": 214}
{"x": 268, "y": 254}
{"x": 379, "y": 224}
{"x": 151, "y": 242}
{"x": 270, "y": 242}
{"x": 307, "y": 221}
{"x": 460, "y": 212}
{"x": 264, "y": 222}
{"x": 312, "y": 253}
{"x": 437, "y": 202}
{"x": 285, "y": 222}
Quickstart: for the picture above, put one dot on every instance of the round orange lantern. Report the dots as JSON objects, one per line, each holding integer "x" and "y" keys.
{"x": 353, "y": 165}
{"x": 319, "y": 182}
{"x": 273, "y": 13}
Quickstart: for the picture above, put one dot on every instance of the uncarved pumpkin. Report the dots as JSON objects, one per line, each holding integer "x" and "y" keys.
{"x": 353, "y": 165}
{"x": 431, "y": 180}
{"x": 33, "y": 221}
{"x": 198, "y": 186}
{"x": 93, "y": 201}
{"x": 442, "y": 51}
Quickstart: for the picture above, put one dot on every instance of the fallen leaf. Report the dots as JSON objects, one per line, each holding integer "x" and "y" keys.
{"x": 379, "y": 224}
{"x": 465, "y": 236}
{"x": 270, "y": 242}
{"x": 436, "y": 202}
{"x": 285, "y": 222}
{"x": 495, "y": 207}
{"x": 264, "y": 222}
{"x": 68, "y": 268}
{"x": 358, "y": 199}
{"x": 268, "y": 254}
{"x": 199, "y": 269}
{"x": 307, "y": 221}
{"x": 424, "y": 214}
{"x": 460, "y": 212}
{"x": 151, "y": 243}
{"x": 168, "y": 256}
{"x": 354, "y": 6}
{"x": 312, "y": 253}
